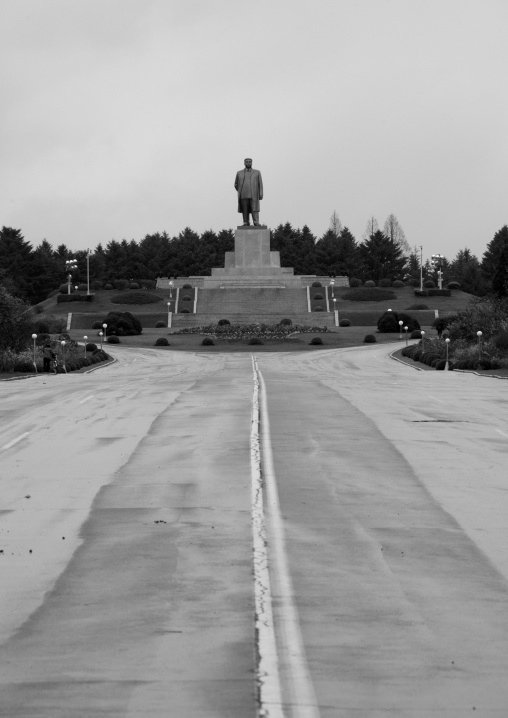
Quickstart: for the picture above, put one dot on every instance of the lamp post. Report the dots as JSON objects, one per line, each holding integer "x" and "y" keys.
{"x": 63, "y": 354}
{"x": 421, "y": 268}
{"x": 104, "y": 326}
{"x": 479, "y": 335}
{"x": 169, "y": 315}
{"x": 332, "y": 284}
{"x": 437, "y": 263}
{"x": 171, "y": 290}
{"x": 88, "y": 253}
{"x": 70, "y": 266}
{"x": 400, "y": 328}
{"x": 405, "y": 329}
{"x": 447, "y": 342}
{"x": 423, "y": 339}
{"x": 34, "y": 337}
{"x": 101, "y": 334}
{"x": 86, "y": 339}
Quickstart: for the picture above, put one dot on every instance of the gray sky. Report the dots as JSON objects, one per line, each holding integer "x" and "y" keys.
{"x": 127, "y": 117}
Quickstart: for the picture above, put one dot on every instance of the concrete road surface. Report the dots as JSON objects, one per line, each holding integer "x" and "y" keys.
{"x": 164, "y": 553}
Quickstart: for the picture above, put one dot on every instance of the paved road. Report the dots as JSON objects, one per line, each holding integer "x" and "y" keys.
{"x": 125, "y": 525}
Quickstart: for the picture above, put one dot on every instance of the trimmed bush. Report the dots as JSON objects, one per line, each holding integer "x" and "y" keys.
{"x": 369, "y": 339}
{"x": 161, "y": 342}
{"x": 344, "y": 323}
{"x": 113, "y": 339}
{"x": 417, "y": 307}
{"x": 187, "y": 286}
{"x": 398, "y": 284}
{"x": 208, "y": 342}
{"x": 91, "y": 347}
{"x": 97, "y": 325}
{"x": 318, "y": 309}
{"x": 389, "y": 322}
{"x": 385, "y": 282}
{"x": 185, "y": 311}
{"x": 501, "y": 339}
{"x": 255, "y": 340}
{"x": 82, "y": 287}
{"x": 318, "y": 296}
{"x": 429, "y": 284}
{"x": 416, "y": 334}
{"x": 286, "y": 322}
{"x": 223, "y": 322}
{"x": 355, "y": 282}
{"x": 413, "y": 282}
{"x": 120, "y": 284}
{"x": 453, "y": 285}
{"x": 122, "y": 324}
{"x": 134, "y": 285}
{"x": 369, "y": 283}
{"x": 440, "y": 365}
{"x": 186, "y": 298}
{"x": 485, "y": 364}
{"x": 63, "y": 289}
{"x": 108, "y": 286}
{"x": 368, "y": 294}
{"x": 316, "y": 284}
{"x": 160, "y": 325}
{"x": 315, "y": 341}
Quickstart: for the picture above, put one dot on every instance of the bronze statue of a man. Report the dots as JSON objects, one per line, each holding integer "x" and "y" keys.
{"x": 249, "y": 185}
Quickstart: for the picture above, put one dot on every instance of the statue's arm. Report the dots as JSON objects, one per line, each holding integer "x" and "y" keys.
{"x": 260, "y": 186}
{"x": 237, "y": 181}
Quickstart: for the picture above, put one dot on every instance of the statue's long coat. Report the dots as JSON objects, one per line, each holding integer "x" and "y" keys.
{"x": 257, "y": 188}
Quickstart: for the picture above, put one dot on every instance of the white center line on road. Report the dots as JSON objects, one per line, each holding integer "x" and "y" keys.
{"x": 302, "y": 698}
{"x": 87, "y": 398}
{"x": 441, "y": 401}
{"x": 502, "y": 433}
{"x": 14, "y": 441}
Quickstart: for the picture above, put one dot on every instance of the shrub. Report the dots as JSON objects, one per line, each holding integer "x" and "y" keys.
{"x": 113, "y": 339}
{"x": 108, "y": 286}
{"x": 385, "y": 282}
{"x": 417, "y": 307}
{"x": 318, "y": 296}
{"x": 389, "y": 322}
{"x": 440, "y": 364}
{"x": 344, "y": 323}
{"x": 318, "y": 309}
{"x": 120, "y": 284}
{"x": 223, "y": 322}
{"x": 501, "y": 339}
{"x": 453, "y": 285}
{"x": 97, "y": 325}
{"x": 255, "y": 340}
{"x": 316, "y": 284}
{"x": 368, "y": 294}
{"x": 429, "y": 284}
{"x": 208, "y": 342}
{"x": 134, "y": 285}
{"x": 91, "y": 347}
{"x": 398, "y": 284}
{"x": 187, "y": 298}
{"x": 413, "y": 282}
{"x": 96, "y": 285}
{"x": 185, "y": 311}
{"x": 369, "y": 339}
{"x": 316, "y": 340}
{"x": 160, "y": 325}
{"x": 187, "y": 286}
{"x": 286, "y": 322}
{"x": 369, "y": 283}
{"x": 355, "y": 282}
{"x": 135, "y": 297}
{"x": 416, "y": 334}
{"x": 484, "y": 364}
{"x": 82, "y": 287}
{"x": 122, "y": 324}
{"x": 161, "y": 342}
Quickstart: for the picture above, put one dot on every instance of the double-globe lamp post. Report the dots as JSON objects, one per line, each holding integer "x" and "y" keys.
{"x": 437, "y": 263}
{"x": 86, "y": 339}
{"x": 104, "y": 327}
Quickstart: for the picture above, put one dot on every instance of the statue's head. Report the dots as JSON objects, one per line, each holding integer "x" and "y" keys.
{"x": 247, "y": 162}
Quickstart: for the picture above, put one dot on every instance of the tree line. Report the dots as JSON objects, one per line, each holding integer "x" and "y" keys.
{"x": 33, "y": 273}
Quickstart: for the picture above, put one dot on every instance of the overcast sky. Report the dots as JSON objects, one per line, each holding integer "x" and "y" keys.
{"x": 121, "y": 118}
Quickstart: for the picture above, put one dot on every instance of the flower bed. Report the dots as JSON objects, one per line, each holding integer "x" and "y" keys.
{"x": 238, "y": 332}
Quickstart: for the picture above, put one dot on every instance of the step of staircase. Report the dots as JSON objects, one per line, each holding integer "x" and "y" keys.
{"x": 252, "y": 300}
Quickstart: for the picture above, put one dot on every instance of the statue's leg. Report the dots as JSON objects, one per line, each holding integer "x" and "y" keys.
{"x": 245, "y": 211}
{"x": 255, "y": 217}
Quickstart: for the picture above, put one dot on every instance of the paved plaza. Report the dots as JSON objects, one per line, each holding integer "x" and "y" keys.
{"x": 131, "y": 585}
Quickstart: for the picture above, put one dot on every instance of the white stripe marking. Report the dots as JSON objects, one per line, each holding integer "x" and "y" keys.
{"x": 87, "y": 398}
{"x": 502, "y": 433}
{"x": 14, "y": 441}
{"x": 302, "y": 697}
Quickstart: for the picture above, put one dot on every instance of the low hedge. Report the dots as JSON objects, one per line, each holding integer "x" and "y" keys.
{"x": 368, "y": 294}
{"x": 135, "y": 297}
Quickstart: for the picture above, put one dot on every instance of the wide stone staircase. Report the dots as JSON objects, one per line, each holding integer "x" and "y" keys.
{"x": 252, "y": 301}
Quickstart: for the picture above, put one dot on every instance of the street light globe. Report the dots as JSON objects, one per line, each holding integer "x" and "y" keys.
{"x": 62, "y": 342}
{"x": 406, "y": 328}
{"x": 85, "y": 337}
{"x": 479, "y": 334}
{"x": 447, "y": 340}
{"x": 34, "y": 336}
{"x": 422, "y": 333}
{"x": 388, "y": 310}
{"x": 400, "y": 322}
{"x": 169, "y": 304}
{"x": 101, "y": 334}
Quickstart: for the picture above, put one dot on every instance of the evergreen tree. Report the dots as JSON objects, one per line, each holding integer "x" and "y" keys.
{"x": 500, "y": 278}
{"x": 382, "y": 258}
{"x": 492, "y": 255}
{"x": 16, "y": 256}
